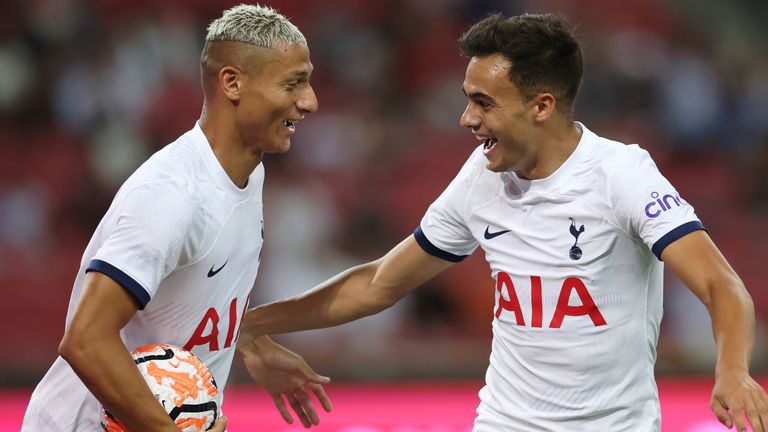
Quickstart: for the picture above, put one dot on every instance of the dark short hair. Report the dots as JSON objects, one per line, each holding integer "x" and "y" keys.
{"x": 542, "y": 49}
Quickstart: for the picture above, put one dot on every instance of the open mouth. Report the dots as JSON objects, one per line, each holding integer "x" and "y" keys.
{"x": 489, "y": 144}
{"x": 290, "y": 124}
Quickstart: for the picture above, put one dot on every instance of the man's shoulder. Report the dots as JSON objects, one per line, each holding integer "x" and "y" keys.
{"x": 618, "y": 158}
{"x": 621, "y": 170}
{"x": 178, "y": 163}
{"x": 166, "y": 182}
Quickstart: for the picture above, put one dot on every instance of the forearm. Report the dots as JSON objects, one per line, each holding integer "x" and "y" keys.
{"x": 106, "y": 367}
{"x": 343, "y": 298}
{"x": 733, "y": 326}
{"x": 360, "y": 291}
{"x": 699, "y": 264}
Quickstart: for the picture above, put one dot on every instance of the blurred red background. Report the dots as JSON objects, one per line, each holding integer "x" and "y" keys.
{"x": 89, "y": 89}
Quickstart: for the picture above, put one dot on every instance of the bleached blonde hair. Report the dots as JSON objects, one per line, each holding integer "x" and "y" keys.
{"x": 255, "y": 25}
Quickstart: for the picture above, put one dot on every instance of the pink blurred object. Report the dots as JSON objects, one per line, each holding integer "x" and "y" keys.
{"x": 407, "y": 407}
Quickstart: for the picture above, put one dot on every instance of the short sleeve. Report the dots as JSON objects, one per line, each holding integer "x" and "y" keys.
{"x": 443, "y": 230}
{"x": 146, "y": 237}
{"x": 647, "y": 204}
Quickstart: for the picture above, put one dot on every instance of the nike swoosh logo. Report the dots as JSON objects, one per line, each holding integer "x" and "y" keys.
{"x": 212, "y": 272}
{"x": 489, "y": 235}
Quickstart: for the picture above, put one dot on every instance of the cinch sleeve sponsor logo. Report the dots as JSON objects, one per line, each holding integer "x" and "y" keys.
{"x": 654, "y": 208}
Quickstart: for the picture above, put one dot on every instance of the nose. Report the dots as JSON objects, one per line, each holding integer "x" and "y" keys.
{"x": 469, "y": 118}
{"x": 307, "y": 103}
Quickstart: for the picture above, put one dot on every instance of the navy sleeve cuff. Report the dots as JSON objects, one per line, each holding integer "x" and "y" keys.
{"x": 127, "y": 282}
{"x": 677, "y": 233}
{"x": 433, "y": 250}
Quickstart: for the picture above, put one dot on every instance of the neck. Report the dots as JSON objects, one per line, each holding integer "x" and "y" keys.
{"x": 553, "y": 147}
{"x": 234, "y": 156}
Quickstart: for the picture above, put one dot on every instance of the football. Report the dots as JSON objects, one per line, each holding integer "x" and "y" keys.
{"x": 181, "y": 383}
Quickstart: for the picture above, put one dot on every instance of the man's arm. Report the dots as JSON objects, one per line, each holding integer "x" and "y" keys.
{"x": 700, "y": 265}
{"x": 358, "y": 292}
{"x": 93, "y": 348}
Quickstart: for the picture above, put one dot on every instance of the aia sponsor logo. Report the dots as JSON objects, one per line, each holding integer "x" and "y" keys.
{"x": 207, "y": 331}
{"x": 508, "y": 302}
{"x": 661, "y": 204}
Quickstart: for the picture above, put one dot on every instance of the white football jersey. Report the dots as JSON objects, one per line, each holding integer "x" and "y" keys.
{"x": 578, "y": 284}
{"x": 186, "y": 243}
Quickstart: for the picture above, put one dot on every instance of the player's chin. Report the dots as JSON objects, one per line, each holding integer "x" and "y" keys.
{"x": 496, "y": 166}
{"x": 281, "y": 146}
{"x": 499, "y": 162}
{"x": 285, "y": 147}
{"x": 491, "y": 167}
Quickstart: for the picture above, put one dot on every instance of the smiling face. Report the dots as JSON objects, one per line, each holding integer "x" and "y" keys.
{"x": 497, "y": 114}
{"x": 274, "y": 97}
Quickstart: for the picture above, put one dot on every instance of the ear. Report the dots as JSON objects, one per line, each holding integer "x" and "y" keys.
{"x": 544, "y": 106}
{"x": 231, "y": 82}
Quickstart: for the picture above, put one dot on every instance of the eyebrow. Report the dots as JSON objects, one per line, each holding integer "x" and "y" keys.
{"x": 298, "y": 75}
{"x": 476, "y": 95}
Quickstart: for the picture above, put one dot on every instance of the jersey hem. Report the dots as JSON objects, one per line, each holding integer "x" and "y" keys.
{"x": 433, "y": 250}
{"x": 127, "y": 282}
{"x": 675, "y": 234}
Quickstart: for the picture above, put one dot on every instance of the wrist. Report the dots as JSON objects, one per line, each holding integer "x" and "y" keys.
{"x": 252, "y": 345}
{"x": 731, "y": 369}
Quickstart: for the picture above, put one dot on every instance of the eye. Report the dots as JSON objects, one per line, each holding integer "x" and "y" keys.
{"x": 483, "y": 104}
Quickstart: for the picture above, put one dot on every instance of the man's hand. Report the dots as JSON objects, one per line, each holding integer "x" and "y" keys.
{"x": 283, "y": 373}
{"x": 736, "y": 396}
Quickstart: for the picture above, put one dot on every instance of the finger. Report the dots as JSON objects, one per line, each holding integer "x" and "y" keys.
{"x": 306, "y": 404}
{"x": 764, "y": 416}
{"x": 280, "y": 404}
{"x": 313, "y": 376}
{"x": 721, "y": 413}
{"x": 763, "y": 398}
{"x": 297, "y": 408}
{"x": 753, "y": 416}
{"x": 763, "y": 425}
{"x": 737, "y": 415}
{"x": 220, "y": 425}
{"x": 319, "y": 392}
{"x": 318, "y": 379}
{"x": 760, "y": 412}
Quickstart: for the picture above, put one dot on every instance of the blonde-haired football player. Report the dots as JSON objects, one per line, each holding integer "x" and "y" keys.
{"x": 176, "y": 255}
